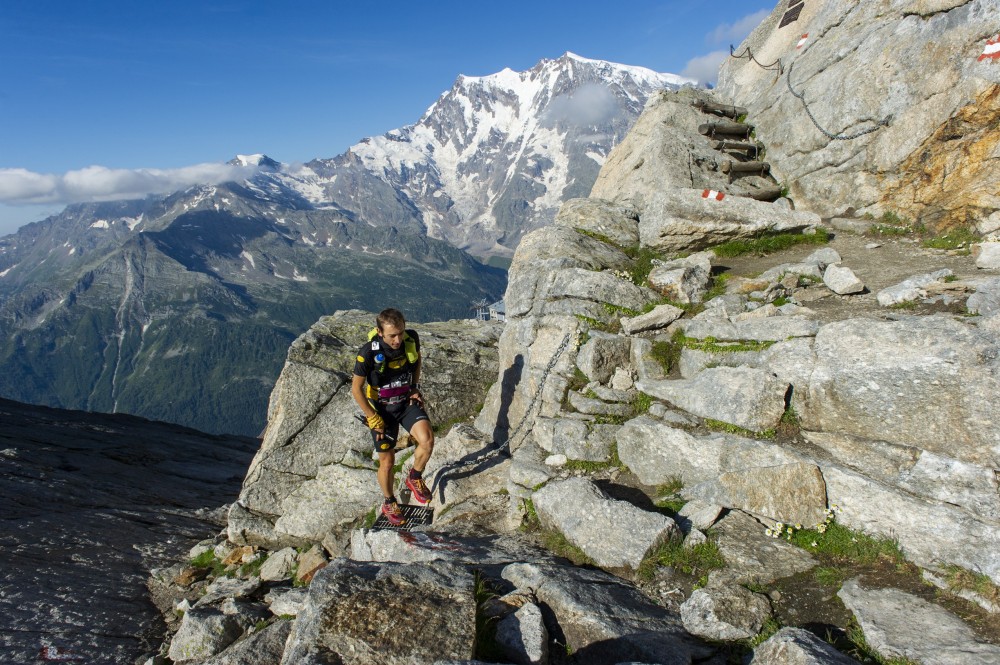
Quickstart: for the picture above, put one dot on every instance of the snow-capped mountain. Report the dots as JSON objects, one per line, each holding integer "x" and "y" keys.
{"x": 492, "y": 158}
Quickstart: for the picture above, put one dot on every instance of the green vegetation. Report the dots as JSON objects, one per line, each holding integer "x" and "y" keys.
{"x": 696, "y": 561}
{"x": 829, "y": 576}
{"x": 669, "y": 499}
{"x": 370, "y": 518}
{"x": 668, "y": 354}
{"x": 770, "y": 243}
{"x": 618, "y": 310}
{"x": 487, "y": 648}
{"x": 207, "y": 559}
{"x": 906, "y": 305}
{"x": 641, "y": 403}
{"x": 957, "y": 239}
{"x": 729, "y": 428}
{"x": 770, "y": 627}
{"x": 718, "y": 287}
{"x": 712, "y": 345}
{"x": 597, "y": 236}
{"x": 893, "y": 225}
{"x": 962, "y": 579}
{"x": 642, "y": 258}
{"x": 252, "y": 568}
{"x": 863, "y": 652}
{"x": 789, "y": 426}
{"x": 837, "y": 543}
{"x": 553, "y": 541}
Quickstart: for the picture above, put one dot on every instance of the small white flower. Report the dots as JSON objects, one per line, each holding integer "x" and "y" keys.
{"x": 798, "y": 527}
{"x": 814, "y": 543}
{"x": 768, "y": 532}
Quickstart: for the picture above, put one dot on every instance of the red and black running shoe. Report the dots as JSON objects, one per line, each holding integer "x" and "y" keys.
{"x": 392, "y": 513}
{"x": 418, "y": 488}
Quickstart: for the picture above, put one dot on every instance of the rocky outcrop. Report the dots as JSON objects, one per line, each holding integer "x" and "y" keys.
{"x": 853, "y": 121}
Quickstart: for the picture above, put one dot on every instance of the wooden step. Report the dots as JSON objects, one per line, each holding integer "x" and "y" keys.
{"x": 746, "y": 167}
{"x": 724, "y": 127}
{"x": 736, "y": 145}
{"x": 727, "y": 110}
{"x": 763, "y": 194}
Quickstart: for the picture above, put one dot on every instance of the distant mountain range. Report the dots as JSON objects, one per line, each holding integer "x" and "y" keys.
{"x": 181, "y": 307}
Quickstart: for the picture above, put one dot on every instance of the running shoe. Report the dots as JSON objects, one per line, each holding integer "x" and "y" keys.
{"x": 392, "y": 513}
{"x": 418, "y": 489}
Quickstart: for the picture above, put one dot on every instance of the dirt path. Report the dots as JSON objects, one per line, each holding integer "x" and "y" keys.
{"x": 891, "y": 262}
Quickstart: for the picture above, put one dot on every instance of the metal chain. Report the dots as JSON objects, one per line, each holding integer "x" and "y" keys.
{"x": 501, "y": 447}
{"x": 747, "y": 53}
{"x": 835, "y": 137}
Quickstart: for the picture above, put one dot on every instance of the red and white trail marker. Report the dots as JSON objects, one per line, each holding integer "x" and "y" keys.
{"x": 992, "y": 50}
{"x": 712, "y": 194}
{"x": 802, "y": 42}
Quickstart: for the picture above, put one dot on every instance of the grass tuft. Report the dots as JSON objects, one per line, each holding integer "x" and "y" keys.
{"x": 696, "y": 561}
{"x": 729, "y": 428}
{"x": 768, "y": 244}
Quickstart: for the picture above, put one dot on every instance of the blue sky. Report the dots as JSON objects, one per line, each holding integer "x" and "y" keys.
{"x": 93, "y": 90}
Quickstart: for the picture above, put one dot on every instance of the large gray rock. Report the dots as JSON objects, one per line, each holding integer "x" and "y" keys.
{"x": 659, "y": 317}
{"x": 310, "y": 476}
{"x": 427, "y": 546}
{"x": 657, "y": 452}
{"x": 683, "y": 280}
{"x": 602, "y": 354}
{"x": 466, "y": 464}
{"x": 842, "y": 280}
{"x": 534, "y": 375}
{"x": 617, "y": 223}
{"x": 919, "y": 472}
{"x": 751, "y": 555}
{"x": 544, "y": 253}
{"x": 725, "y": 613}
{"x": 987, "y": 255}
{"x": 843, "y": 73}
{"x": 262, "y": 647}
{"x": 770, "y": 329}
{"x": 796, "y": 646}
{"x": 986, "y": 300}
{"x": 577, "y": 439}
{"x": 899, "y": 625}
{"x": 930, "y": 533}
{"x": 433, "y": 614}
{"x": 279, "y": 565}
{"x": 792, "y": 493}
{"x": 927, "y": 382}
{"x": 523, "y": 637}
{"x": 749, "y": 398}
{"x": 599, "y": 287}
{"x": 910, "y": 289}
{"x": 679, "y": 219}
{"x": 613, "y": 533}
{"x": 605, "y": 620}
{"x": 204, "y": 632}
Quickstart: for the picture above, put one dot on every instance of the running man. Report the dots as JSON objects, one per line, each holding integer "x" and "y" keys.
{"x": 386, "y": 388}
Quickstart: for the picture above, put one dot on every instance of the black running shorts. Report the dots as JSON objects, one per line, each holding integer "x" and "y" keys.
{"x": 406, "y": 414}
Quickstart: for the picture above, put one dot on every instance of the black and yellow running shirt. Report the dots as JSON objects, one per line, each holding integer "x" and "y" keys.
{"x": 389, "y": 372}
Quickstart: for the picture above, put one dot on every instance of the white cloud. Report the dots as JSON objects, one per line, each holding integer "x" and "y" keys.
{"x": 705, "y": 68}
{"x": 590, "y": 104}
{"x": 99, "y": 183}
{"x": 734, "y": 33}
